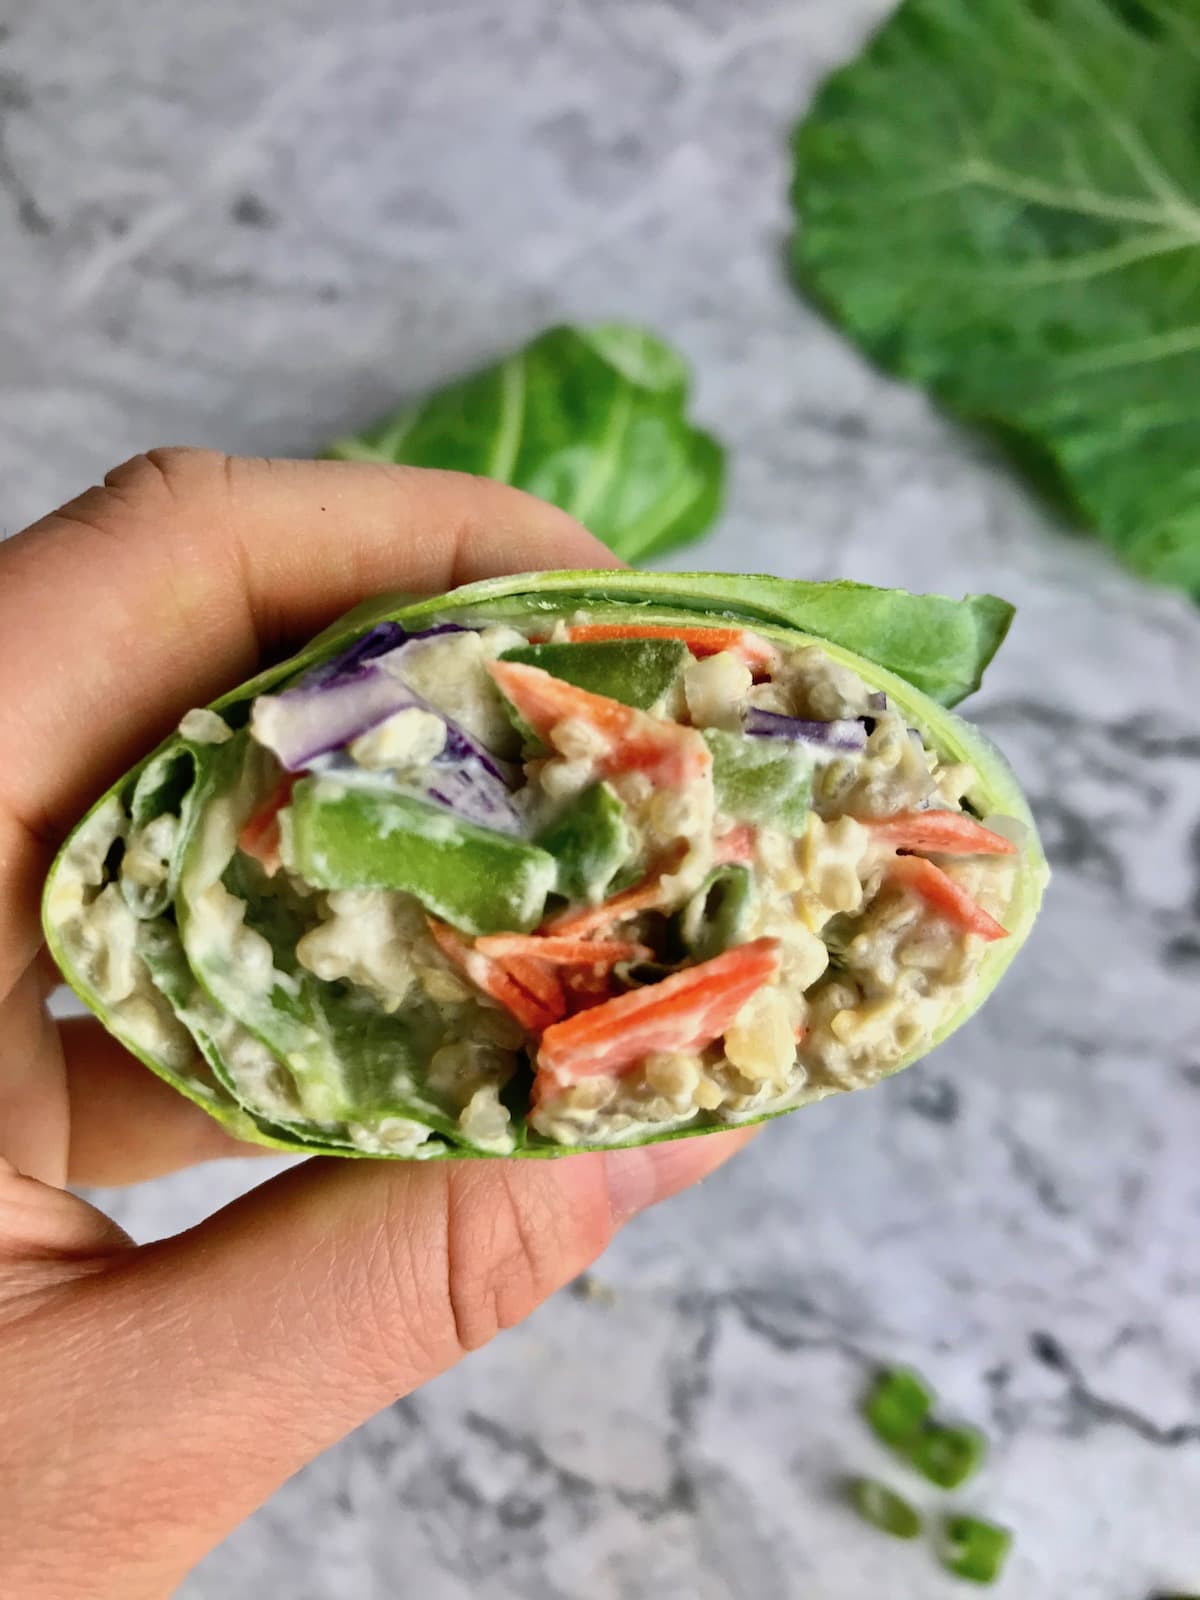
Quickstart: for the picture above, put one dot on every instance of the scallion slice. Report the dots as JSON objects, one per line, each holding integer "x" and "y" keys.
{"x": 883, "y": 1508}
{"x": 975, "y": 1549}
{"x": 897, "y": 1406}
{"x": 947, "y": 1455}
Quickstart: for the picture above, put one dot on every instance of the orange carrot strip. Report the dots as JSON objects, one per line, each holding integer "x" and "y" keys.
{"x": 950, "y": 833}
{"x": 644, "y": 896}
{"x": 684, "y": 1012}
{"x": 633, "y": 741}
{"x": 260, "y": 834}
{"x": 735, "y": 846}
{"x": 499, "y": 985}
{"x": 539, "y": 980}
{"x": 941, "y": 892}
{"x": 561, "y": 951}
{"x": 755, "y": 652}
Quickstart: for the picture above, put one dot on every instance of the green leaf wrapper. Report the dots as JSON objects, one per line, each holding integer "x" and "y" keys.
{"x": 206, "y": 1017}
{"x": 1000, "y": 200}
{"x": 592, "y": 419}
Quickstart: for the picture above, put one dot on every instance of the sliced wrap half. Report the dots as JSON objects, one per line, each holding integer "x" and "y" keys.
{"x": 560, "y": 861}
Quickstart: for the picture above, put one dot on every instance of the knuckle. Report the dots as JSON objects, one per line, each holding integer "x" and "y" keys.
{"x": 165, "y": 472}
{"x": 511, "y": 1241}
{"x": 146, "y": 484}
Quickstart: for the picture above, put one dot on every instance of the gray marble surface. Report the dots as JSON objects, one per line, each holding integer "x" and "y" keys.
{"x": 251, "y": 226}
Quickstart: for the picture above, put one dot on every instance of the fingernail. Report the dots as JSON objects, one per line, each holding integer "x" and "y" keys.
{"x": 642, "y": 1177}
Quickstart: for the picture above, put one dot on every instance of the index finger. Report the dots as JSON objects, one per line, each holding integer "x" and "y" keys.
{"x": 164, "y": 587}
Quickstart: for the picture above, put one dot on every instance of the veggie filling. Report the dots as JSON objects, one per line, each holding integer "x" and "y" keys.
{"x": 466, "y": 884}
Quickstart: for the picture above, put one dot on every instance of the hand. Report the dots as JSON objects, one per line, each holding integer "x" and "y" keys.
{"x": 152, "y": 1397}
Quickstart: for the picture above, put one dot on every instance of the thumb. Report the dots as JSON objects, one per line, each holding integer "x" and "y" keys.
{"x": 198, "y": 1374}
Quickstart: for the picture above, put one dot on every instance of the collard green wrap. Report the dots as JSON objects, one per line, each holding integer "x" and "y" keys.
{"x": 286, "y": 1058}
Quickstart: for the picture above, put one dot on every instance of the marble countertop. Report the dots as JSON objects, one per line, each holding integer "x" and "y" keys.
{"x": 248, "y": 227}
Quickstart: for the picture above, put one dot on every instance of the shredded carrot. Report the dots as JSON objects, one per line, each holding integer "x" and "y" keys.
{"x": 561, "y": 951}
{"x": 758, "y": 655}
{"x": 260, "y": 834}
{"x": 686, "y": 1011}
{"x": 940, "y": 891}
{"x": 536, "y": 978}
{"x": 644, "y": 896}
{"x": 950, "y": 833}
{"x": 532, "y": 1011}
{"x": 630, "y": 740}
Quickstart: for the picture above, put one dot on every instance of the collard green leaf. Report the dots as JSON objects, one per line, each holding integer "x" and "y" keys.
{"x": 940, "y": 646}
{"x": 1001, "y": 201}
{"x": 592, "y": 419}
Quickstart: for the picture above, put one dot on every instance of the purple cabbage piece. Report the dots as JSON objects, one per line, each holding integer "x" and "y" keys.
{"x": 462, "y": 747}
{"x": 843, "y": 734}
{"x": 380, "y": 640}
{"x": 877, "y": 700}
{"x": 304, "y": 723}
{"x": 470, "y": 792}
{"x": 313, "y": 722}
{"x": 349, "y": 696}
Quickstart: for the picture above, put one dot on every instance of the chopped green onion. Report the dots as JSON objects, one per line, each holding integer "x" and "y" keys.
{"x": 947, "y": 1456}
{"x": 975, "y": 1549}
{"x": 883, "y": 1508}
{"x": 897, "y": 1406}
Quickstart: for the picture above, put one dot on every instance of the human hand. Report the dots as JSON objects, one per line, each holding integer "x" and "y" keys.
{"x": 152, "y": 1397}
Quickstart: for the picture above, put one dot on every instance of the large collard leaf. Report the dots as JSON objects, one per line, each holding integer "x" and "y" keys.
{"x": 1001, "y": 200}
{"x": 592, "y": 419}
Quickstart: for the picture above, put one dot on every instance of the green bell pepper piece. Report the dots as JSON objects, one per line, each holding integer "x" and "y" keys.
{"x": 764, "y": 781}
{"x": 717, "y": 915}
{"x": 637, "y": 672}
{"x": 975, "y": 1549}
{"x": 362, "y": 837}
{"x": 590, "y": 842}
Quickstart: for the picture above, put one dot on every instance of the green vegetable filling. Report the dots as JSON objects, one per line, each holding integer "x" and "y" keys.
{"x": 764, "y": 781}
{"x": 373, "y": 838}
{"x": 637, "y": 672}
{"x": 718, "y": 915}
{"x": 590, "y": 842}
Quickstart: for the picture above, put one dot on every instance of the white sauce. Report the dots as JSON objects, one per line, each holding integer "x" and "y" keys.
{"x": 202, "y": 726}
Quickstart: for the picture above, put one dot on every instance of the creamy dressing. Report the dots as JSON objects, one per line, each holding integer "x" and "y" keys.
{"x": 450, "y": 672}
